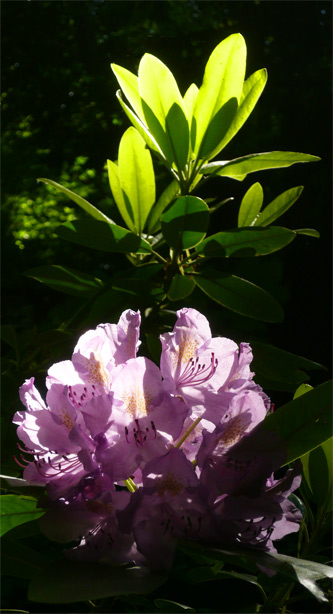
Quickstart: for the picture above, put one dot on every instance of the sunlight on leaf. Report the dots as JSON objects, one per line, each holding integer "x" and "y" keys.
{"x": 278, "y": 206}
{"x": 250, "y": 206}
{"x": 218, "y": 96}
{"x": 82, "y": 202}
{"x": 16, "y": 510}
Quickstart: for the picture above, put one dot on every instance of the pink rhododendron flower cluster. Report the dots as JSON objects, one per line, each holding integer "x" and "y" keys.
{"x": 136, "y": 456}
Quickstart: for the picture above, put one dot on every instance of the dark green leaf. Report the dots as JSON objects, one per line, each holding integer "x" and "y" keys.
{"x": 8, "y": 334}
{"x": 305, "y": 572}
{"x": 17, "y": 509}
{"x": 144, "y": 272}
{"x": 278, "y": 206}
{"x": 181, "y": 286}
{"x": 240, "y": 295}
{"x": 185, "y": 223}
{"x": 298, "y": 502}
{"x": 164, "y": 605}
{"x": 140, "y": 282}
{"x": 103, "y": 236}
{"x": 68, "y": 581}
{"x": 245, "y": 242}
{"x": 20, "y": 561}
{"x": 66, "y": 280}
{"x": 300, "y": 426}
{"x": 206, "y": 574}
{"x": 278, "y": 366}
{"x": 154, "y": 347}
{"x": 139, "y": 288}
{"x": 145, "y": 605}
{"x": 82, "y": 202}
{"x": 20, "y": 486}
{"x": 317, "y": 470}
{"x": 240, "y": 167}
{"x": 220, "y": 204}
{"x": 250, "y": 205}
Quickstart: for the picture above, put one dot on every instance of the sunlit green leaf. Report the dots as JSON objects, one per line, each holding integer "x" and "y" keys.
{"x": 256, "y": 162}
{"x": 17, "y": 509}
{"x": 137, "y": 178}
{"x": 82, "y": 202}
{"x": 240, "y": 296}
{"x": 129, "y": 84}
{"x": 185, "y": 223}
{"x": 251, "y": 92}
{"x": 170, "y": 192}
{"x": 302, "y": 389}
{"x": 140, "y": 126}
{"x": 310, "y": 232}
{"x": 278, "y": 206}
{"x": 180, "y": 287}
{"x": 102, "y": 236}
{"x": 190, "y": 100}
{"x": 68, "y": 581}
{"x": 218, "y": 97}
{"x": 245, "y": 242}
{"x": 66, "y": 280}
{"x": 251, "y": 204}
{"x": 164, "y": 109}
{"x": 124, "y": 207}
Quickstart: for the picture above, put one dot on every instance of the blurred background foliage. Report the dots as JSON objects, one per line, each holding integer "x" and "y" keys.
{"x": 61, "y": 120}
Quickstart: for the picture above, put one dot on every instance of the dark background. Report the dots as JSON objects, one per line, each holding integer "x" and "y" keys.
{"x": 59, "y": 104}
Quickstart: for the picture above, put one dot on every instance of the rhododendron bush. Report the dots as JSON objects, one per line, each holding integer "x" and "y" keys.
{"x": 167, "y": 458}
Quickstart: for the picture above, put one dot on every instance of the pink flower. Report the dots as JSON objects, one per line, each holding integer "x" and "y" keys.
{"x": 183, "y": 438}
{"x": 95, "y": 356}
{"x": 192, "y": 362}
{"x": 146, "y": 421}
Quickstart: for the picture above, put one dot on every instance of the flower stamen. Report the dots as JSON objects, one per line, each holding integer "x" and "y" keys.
{"x": 196, "y": 373}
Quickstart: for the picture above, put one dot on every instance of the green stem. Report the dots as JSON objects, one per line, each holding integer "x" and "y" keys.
{"x": 195, "y": 170}
{"x": 189, "y": 430}
{"x": 159, "y": 257}
{"x": 277, "y": 601}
